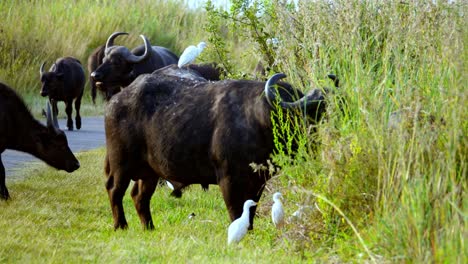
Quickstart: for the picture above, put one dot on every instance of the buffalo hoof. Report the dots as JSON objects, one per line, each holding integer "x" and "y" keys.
{"x": 122, "y": 226}
{"x": 4, "y": 195}
{"x": 176, "y": 193}
{"x": 149, "y": 226}
{"x": 70, "y": 125}
{"x": 78, "y": 123}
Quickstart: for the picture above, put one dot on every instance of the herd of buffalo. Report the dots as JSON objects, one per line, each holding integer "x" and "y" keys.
{"x": 183, "y": 125}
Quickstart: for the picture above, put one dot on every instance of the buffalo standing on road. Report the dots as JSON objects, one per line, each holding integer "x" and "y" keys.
{"x": 193, "y": 132}
{"x": 121, "y": 66}
{"x": 64, "y": 82}
{"x": 20, "y": 131}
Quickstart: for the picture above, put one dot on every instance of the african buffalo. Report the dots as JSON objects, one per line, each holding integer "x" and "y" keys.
{"x": 94, "y": 60}
{"x": 20, "y": 131}
{"x": 192, "y": 131}
{"x": 121, "y": 66}
{"x": 64, "y": 82}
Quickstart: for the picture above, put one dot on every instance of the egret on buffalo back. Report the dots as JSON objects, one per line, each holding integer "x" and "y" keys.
{"x": 190, "y": 54}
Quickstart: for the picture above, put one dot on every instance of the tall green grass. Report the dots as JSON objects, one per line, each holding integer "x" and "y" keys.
{"x": 402, "y": 190}
{"x": 403, "y": 187}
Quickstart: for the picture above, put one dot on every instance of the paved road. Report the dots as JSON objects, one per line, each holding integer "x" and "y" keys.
{"x": 90, "y": 136}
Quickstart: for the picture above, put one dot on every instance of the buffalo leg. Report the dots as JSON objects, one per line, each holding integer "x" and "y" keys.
{"x": 231, "y": 182}
{"x": 116, "y": 186}
{"x": 233, "y": 202}
{"x": 253, "y": 210}
{"x": 55, "y": 112}
{"x": 177, "y": 192}
{"x": 93, "y": 89}
{"x": 77, "y": 109}
{"x": 68, "y": 110}
{"x": 205, "y": 187}
{"x": 3, "y": 189}
{"x": 141, "y": 195}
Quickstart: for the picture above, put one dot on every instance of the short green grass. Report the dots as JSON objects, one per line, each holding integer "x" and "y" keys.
{"x": 56, "y": 217}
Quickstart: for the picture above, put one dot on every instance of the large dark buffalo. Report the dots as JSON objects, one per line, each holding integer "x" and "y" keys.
{"x": 94, "y": 60}
{"x": 192, "y": 131}
{"x": 121, "y": 66}
{"x": 64, "y": 82}
{"x": 20, "y": 131}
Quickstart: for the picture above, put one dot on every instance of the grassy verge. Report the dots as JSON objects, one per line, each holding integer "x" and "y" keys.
{"x": 57, "y": 217}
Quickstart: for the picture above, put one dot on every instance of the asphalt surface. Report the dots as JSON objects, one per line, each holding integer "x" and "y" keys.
{"x": 90, "y": 136}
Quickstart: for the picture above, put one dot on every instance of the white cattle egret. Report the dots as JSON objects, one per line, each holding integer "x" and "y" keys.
{"x": 299, "y": 213}
{"x": 170, "y": 185}
{"x": 238, "y": 228}
{"x": 277, "y": 212}
{"x": 190, "y": 54}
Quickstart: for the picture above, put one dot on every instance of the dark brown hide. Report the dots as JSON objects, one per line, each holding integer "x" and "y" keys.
{"x": 190, "y": 132}
{"x": 64, "y": 82}
{"x": 20, "y": 131}
{"x": 209, "y": 71}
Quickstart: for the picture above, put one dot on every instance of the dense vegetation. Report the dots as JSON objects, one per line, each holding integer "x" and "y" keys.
{"x": 378, "y": 192}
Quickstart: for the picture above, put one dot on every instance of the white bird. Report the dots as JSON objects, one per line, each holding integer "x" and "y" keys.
{"x": 170, "y": 185}
{"x": 277, "y": 212}
{"x": 238, "y": 228}
{"x": 190, "y": 54}
{"x": 301, "y": 212}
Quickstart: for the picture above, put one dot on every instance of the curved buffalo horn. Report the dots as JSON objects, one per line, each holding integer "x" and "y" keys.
{"x": 110, "y": 41}
{"x": 51, "y": 120}
{"x": 271, "y": 95}
{"x": 41, "y": 70}
{"x": 136, "y": 59}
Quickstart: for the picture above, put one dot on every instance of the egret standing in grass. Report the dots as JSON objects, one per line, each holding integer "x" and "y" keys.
{"x": 190, "y": 54}
{"x": 238, "y": 228}
{"x": 277, "y": 212}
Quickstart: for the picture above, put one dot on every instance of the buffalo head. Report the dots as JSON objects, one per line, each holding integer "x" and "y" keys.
{"x": 52, "y": 146}
{"x": 118, "y": 62}
{"x": 51, "y": 79}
